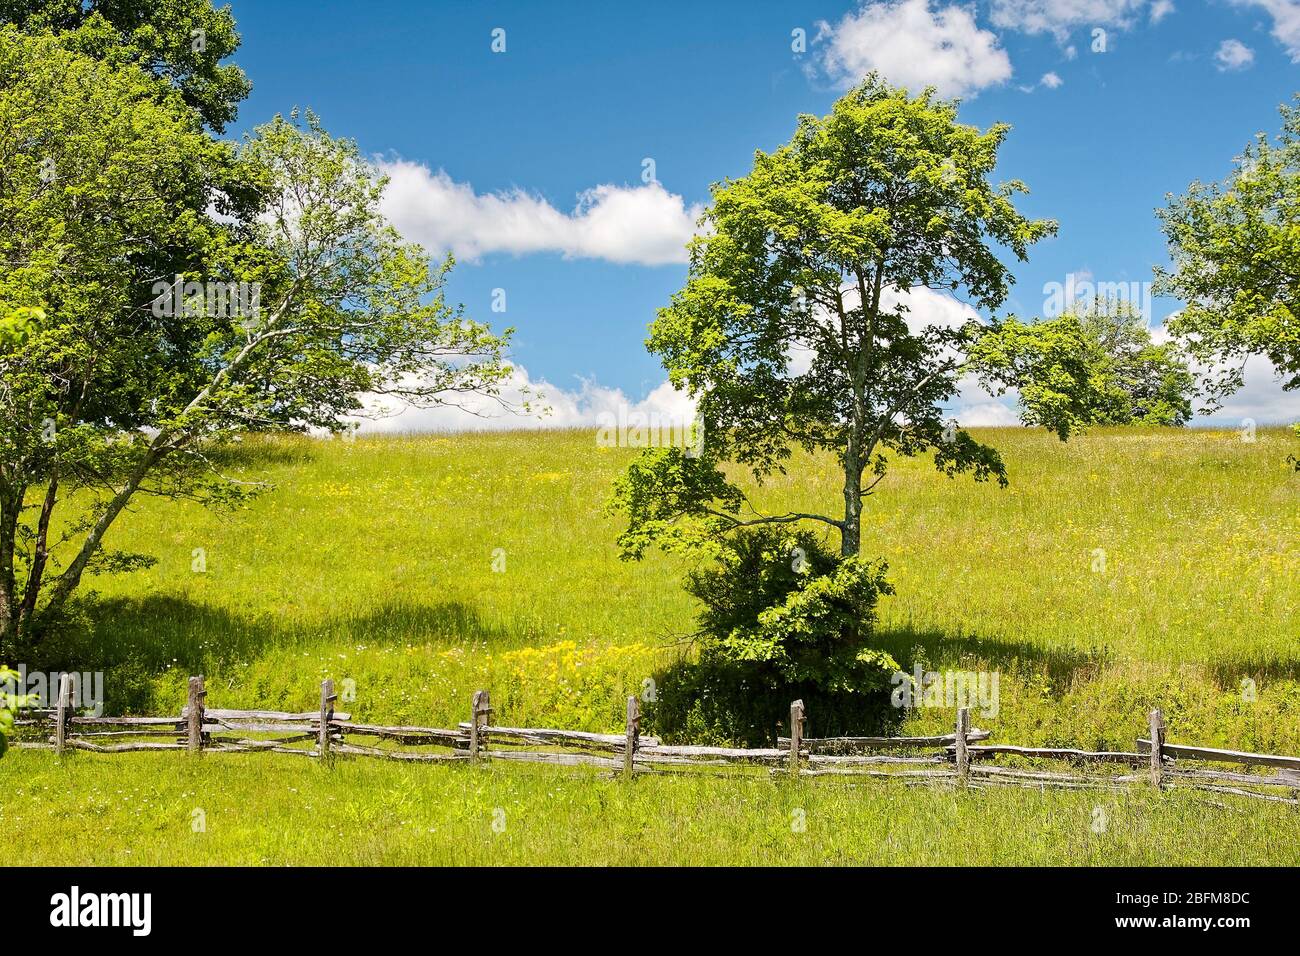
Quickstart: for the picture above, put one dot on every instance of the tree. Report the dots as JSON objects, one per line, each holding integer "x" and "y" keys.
{"x": 817, "y": 253}
{"x": 1235, "y": 248}
{"x": 179, "y": 42}
{"x": 169, "y": 330}
{"x": 105, "y": 182}
{"x": 1140, "y": 382}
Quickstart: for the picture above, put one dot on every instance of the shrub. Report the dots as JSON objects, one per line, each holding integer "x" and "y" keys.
{"x": 9, "y": 702}
{"x": 782, "y": 617}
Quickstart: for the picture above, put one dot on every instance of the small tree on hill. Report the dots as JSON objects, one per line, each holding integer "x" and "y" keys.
{"x": 795, "y": 330}
{"x": 1140, "y": 382}
{"x": 813, "y": 254}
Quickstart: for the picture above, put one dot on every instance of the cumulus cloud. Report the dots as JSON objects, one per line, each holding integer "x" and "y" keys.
{"x": 915, "y": 46}
{"x": 1051, "y": 81}
{"x": 1059, "y": 17}
{"x": 986, "y": 415}
{"x": 590, "y": 404}
{"x": 1261, "y": 399}
{"x": 1233, "y": 55}
{"x": 928, "y": 308}
{"x": 625, "y": 224}
{"x": 1161, "y": 9}
{"x": 1286, "y": 22}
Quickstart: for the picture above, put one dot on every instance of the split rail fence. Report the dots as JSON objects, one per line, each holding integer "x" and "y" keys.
{"x": 962, "y": 757}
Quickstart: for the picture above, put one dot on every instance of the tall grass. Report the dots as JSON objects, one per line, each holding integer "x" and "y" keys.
{"x": 1125, "y": 569}
{"x": 146, "y": 809}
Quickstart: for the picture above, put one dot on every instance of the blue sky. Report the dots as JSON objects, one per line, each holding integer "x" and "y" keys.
{"x": 492, "y": 151}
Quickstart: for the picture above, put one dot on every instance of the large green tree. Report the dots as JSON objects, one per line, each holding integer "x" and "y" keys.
{"x": 179, "y": 42}
{"x": 126, "y": 383}
{"x": 795, "y": 330}
{"x": 1235, "y": 247}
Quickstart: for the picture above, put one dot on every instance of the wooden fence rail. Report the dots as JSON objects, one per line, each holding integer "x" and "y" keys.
{"x": 958, "y": 757}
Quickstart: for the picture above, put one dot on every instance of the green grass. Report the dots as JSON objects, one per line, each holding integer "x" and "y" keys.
{"x": 373, "y": 561}
{"x": 140, "y": 809}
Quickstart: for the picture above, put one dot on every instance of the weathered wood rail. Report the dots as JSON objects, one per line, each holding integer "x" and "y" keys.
{"x": 959, "y": 757}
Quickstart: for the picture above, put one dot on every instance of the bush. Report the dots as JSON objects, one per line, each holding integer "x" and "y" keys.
{"x": 9, "y": 702}
{"x": 782, "y": 618}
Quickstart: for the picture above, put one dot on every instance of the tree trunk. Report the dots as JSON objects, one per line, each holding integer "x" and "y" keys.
{"x": 67, "y": 582}
{"x": 40, "y": 556}
{"x": 851, "y": 530}
{"x": 9, "y": 507}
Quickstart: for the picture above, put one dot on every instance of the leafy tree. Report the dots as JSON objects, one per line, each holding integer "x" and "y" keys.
{"x": 814, "y": 254}
{"x": 105, "y": 182}
{"x": 1138, "y": 381}
{"x": 127, "y": 386}
{"x": 17, "y": 325}
{"x": 1236, "y": 263}
{"x": 180, "y": 42}
{"x": 9, "y": 704}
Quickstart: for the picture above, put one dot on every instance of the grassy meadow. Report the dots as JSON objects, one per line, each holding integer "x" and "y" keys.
{"x": 232, "y": 809}
{"x": 1126, "y": 569}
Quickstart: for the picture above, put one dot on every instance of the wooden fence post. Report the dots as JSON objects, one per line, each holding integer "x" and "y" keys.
{"x": 327, "y": 698}
{"x": 1157, "y": 726}
{"x": 633, "y": 734}
{"x": 963, "y": 755}
{"x": 480, "y": 708}
{"x": 796, "y": 734}
{"x": 62, "y": 712}
{"x": 194, "y": 714}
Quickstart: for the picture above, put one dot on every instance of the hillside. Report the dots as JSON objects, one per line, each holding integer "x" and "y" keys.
{"x": 372, "y": 560}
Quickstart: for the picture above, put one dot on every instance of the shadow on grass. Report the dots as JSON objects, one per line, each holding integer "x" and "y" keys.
{"x": 136, "y": 640}
{"x": 159, "y": 632}
{"x": 266, "y": 452}
{"x": 941, "y": 650}
{"x": 1230, "y": 670}
{"x": 728, "y": 703}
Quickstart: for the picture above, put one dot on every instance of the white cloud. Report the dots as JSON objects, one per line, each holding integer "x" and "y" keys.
{"x": 591, "y": 404}
{"x": 1261, "y": 398}
{"x": 914, "y": 46}
{"x": 1161, "y": 9}
{"x": 985, "y": 414}
{"x": 1059, "y": 17}
{"x": 580, "y": 407}
{"x": 1286, "y": 22}
{"x": 1051, "y": 81}
{"x": 624, "y": 224}
{"x": 972, "y": 406}
{"x": 1233, "y": 55}
{"x": 928, "y": 308}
